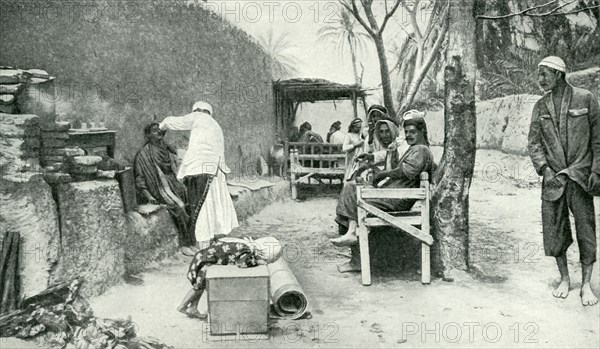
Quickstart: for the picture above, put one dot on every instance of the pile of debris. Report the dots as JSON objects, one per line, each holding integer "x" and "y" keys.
{"x": 59, "y": 316}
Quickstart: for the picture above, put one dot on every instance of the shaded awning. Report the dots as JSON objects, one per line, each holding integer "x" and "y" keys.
{"x": 312, "y": 90}
{"x": 289, "y": 94}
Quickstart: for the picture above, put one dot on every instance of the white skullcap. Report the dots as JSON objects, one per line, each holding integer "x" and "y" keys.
{"x": 554, "y": 62}
{"x": 202, "y": 105}
{"x": 412, "y": 113}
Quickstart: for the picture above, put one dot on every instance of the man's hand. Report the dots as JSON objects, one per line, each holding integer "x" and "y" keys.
{"x": 379, "y": 176}
{"x": 171, "y": 149}
{"x": 550, "y": 179}
{"x": 359, "y": 144}
{"x": 365, "y": 156}
{"x": 393, "y": 146}
{"x": 149, "y": 197}
{"x": 594, "y": 182}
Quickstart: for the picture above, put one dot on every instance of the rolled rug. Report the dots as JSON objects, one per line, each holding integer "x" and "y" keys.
{"x": 289, "y": 300}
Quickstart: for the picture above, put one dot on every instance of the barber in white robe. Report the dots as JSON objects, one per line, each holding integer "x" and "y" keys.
{"x": 203, "y": 172}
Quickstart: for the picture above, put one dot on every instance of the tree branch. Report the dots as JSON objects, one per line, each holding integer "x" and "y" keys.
{"x": 434, "y": 18}
{"x": 388, "y": 15}
{"x": 354, "y": 11}
{"x": 553, "y": 12}
{"x": 413, "y": 20}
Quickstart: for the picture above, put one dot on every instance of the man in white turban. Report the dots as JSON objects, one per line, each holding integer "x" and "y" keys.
{"x": 564, "y": 146}
{"x": 203, "y": 172}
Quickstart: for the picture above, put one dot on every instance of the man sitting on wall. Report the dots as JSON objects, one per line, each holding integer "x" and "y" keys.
{"x": 157, "y": 184}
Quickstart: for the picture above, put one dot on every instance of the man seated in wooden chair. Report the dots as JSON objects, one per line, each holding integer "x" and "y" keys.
{"x": 405, "y": 172}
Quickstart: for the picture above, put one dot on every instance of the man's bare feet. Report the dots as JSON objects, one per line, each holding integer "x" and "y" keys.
{"x": 587, "y": 296}
{"x": 345, "y": 240}
{"x": 348, "y": 267}
{"x": 192, "y": 312}
{"x": 562, "y": 290}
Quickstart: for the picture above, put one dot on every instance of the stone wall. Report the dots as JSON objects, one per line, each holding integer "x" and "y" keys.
{"x": 503, "y": 123}
{"x": 92, "y": 226}
{"x": 124, "y": 64}
{"x": 27, "y": 207}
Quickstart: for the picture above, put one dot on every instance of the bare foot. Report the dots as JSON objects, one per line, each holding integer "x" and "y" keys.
{"x": 562, "y": 290}
{"x": 587, "y": 296}
{"x": 192, "y": 312}
{"x": 181, "y": 309}
{"x": 348, "y": 267}
{"x": 345, "y": 240}
{"x": 187, "y": 251}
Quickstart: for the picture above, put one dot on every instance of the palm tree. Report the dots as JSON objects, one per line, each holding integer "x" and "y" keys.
{"x": 344, "y": 33}
{"x": 283, "y": 64}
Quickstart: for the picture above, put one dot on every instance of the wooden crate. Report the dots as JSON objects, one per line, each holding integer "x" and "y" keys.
{"x": 238, "y": 299}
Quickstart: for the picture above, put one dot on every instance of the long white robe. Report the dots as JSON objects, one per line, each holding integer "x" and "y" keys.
{"x": 206, "y": 155}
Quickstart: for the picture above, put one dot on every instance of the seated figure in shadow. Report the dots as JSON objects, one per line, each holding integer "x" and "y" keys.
{"x": 156, "y": 183}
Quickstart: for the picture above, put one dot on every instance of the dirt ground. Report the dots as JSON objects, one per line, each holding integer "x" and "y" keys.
{"x": 504, "y": 301}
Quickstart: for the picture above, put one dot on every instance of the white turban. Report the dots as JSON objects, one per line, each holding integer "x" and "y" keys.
{"x": 202, "y": 105}
{"x": 413, "y": 113}
{"x": 554, "y": 62}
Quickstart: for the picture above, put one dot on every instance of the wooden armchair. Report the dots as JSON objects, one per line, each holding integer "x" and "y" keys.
{"x": 415, "y": 223}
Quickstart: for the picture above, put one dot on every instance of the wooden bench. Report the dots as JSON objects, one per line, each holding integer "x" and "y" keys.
{"x": 415, "y": 223}
{"x": 314, "y": 160}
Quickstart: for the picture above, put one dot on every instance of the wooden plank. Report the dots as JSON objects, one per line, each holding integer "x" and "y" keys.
{"x": 378, "y": 222}
{"x": 299, "y": 170}
{"x": 304, "y": 177}
{"x": 394, "y": 193}
{"x": 409, "y": 229}
{"x": 363, "y": 238}
{"x": 321, "y": 156}
{"x": 425, "y": 252}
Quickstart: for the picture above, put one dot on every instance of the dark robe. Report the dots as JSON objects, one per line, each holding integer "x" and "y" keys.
{"x": 154, "y": 171}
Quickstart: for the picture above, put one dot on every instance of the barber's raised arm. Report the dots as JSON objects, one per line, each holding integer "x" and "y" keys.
{"x": 178, "y": 123}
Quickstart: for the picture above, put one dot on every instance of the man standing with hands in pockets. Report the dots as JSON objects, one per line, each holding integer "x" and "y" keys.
{"x": 564, "y": 146}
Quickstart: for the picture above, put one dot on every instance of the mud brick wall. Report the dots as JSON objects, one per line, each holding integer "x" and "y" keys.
{"x": 503, "y": 123}
{"x": 124, "y": 64}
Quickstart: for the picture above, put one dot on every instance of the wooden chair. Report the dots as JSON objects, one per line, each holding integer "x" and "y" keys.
{"x": 314, "y": 160}
{"x": 408, "y": 221}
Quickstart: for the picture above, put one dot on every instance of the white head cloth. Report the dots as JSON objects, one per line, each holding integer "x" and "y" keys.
{"x": 203, "y": 105}
{"x": 412, "y": 114}
{"x": 554, "y": 62}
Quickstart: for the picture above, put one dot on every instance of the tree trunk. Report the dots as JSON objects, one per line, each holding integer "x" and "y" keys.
{"x": 450, "y": 201}
{"x": 353, "y": 55}
{"x": 388, "y": 100}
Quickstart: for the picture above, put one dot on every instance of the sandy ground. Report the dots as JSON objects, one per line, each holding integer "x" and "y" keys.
{"x": 505, "y": 301}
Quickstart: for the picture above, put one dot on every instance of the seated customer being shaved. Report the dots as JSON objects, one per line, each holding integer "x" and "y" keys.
{"x": 157, "y": 184}
{"x": 404, "y": 173}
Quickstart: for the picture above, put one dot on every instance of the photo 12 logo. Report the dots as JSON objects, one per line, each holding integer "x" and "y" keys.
{"x": 253, "y": 332}
{"x": 469, "y": 332}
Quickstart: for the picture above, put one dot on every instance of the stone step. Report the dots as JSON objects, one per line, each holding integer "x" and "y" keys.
{"x": 11, "y": 88}
{"x": 86, "y": 160}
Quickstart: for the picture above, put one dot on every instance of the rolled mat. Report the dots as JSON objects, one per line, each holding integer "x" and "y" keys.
{"x": 289, "y": 300}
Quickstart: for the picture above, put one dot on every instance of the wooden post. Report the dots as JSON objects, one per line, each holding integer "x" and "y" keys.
{"x": 425, "y": 253}
{"x": 354, "y": 106}
{"x": 363, "y": 238}
{"x": 286, "y": 153}
{"x": 293, "y": 162}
